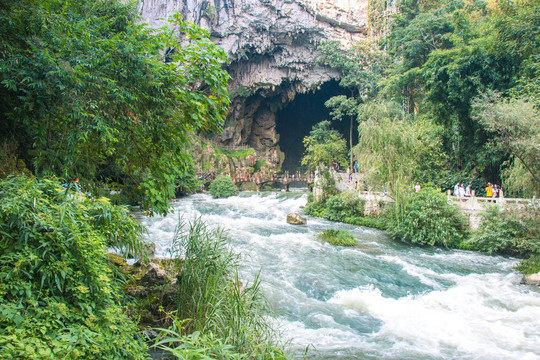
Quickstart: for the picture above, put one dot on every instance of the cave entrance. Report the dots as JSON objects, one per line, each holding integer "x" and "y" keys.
{"x": 295, "y": 121}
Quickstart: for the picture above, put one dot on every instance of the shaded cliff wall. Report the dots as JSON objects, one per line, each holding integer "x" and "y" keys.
{"x": 271, "y": 45}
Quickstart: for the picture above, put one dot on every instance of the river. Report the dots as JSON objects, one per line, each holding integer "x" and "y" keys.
{"x": 380, "y": 300}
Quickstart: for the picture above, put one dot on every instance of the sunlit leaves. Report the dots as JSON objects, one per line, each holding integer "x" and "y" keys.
{"x": 87, "y": 92}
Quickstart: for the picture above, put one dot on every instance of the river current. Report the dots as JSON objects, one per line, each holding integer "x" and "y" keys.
{"x": 380, "y": 300}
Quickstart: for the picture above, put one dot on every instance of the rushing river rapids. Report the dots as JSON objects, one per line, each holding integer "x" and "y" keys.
{"x": 380, "y": 300}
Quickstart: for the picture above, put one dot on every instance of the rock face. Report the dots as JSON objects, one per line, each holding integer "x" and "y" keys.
{"x": 296, "y": 219}
{"x": 271, "y": 45}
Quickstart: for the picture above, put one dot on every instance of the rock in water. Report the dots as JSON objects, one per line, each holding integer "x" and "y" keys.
{"x": 532, "y": 279}
{"x": 296, "y": 219}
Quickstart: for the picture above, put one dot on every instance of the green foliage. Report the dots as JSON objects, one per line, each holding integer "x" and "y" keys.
{"x": 345, "y": 207}
{"x": 445, "y": 53}
{"x": 240, "y": 153}
{"x": 240, "y": 91}
{"x": 513, "y": 231}
{"x": 396, "y": 150}
{"x": 222, "y": 186}
{"x": 59, "y": 296}
{"x": 366, "y": 221}
{"x": 515, "y": 128}
{"x": 188, "y": 183}
{"x": 429, "y": 219}
{"x": 338, "y": 237}
{"x": 339, "y": 207}
{"x": 530, "y": 265}
{"x": 324, "y": 146}
{"x": 360, "y": 68}
{"x": 217, "y": 316}
{"x": 87, "y": 92}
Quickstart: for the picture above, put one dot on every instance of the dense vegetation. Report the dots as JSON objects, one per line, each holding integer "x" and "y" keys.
{"x": 447, "y": 91}
{"x": 456, "y": 93}
{"x": 60, "y": 298}
{"x": 88, "y": 93}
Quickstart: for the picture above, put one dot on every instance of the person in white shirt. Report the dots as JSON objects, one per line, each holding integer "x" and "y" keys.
{"x": 456, "y": 190}
{"x": 461, "y": 190}
{"x": 417, "y": 187}
{"x": 468, "y": 191}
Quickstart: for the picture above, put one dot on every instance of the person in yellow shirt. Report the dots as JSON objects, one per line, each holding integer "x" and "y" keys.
{"x": 489, "y": 190}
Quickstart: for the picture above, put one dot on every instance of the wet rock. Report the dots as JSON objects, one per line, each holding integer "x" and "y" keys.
{"x": 153, "y": 283}
{"x": 531, "y": 279}
{"x": 296, "y": 219}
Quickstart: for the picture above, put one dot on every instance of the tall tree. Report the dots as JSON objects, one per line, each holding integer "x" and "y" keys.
{"x": 86, "y": 93}
{"x": 515, "y": 127}
{"x": 360, "y": 67}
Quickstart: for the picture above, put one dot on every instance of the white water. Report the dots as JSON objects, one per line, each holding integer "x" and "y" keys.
{"x": 380, "y": 300}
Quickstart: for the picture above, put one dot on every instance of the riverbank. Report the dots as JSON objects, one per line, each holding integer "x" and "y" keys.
{"x": 430, "y": 218}
{"x": 381, "y": 299}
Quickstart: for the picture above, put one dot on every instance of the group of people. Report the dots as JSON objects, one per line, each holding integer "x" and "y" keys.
{"x": 461, "y": 191}
{"x": 494, "y": 191}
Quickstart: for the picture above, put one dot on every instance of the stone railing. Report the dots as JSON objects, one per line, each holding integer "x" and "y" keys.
{"x": 474, "y": 203}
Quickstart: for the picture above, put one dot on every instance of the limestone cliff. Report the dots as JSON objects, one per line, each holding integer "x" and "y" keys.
{"x": 271, "y": 46}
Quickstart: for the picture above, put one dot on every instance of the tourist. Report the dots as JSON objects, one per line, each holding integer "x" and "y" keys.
{"x": 456, "y": 190}
{"x": 355, "y": 166}
{"x": 494, "y": 193}
{"x": 461, "y": 190}
{"x": 489, "y": 191}
{"x": 468, "y": 191}
{"x": 417, "y": 187}
{"x": 350, "y": 177}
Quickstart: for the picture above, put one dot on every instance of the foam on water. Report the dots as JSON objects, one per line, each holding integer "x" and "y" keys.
{"x": 380, "y": 300}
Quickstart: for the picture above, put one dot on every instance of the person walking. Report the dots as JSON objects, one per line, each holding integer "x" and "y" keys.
{"x": 468, "y": 191}
{"x": 417, "y": 187}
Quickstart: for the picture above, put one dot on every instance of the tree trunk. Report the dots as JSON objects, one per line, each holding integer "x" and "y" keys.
{"x": 350, "y": 143}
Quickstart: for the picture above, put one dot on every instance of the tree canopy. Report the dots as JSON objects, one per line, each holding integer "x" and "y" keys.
{"x": 87, "y": 92}
{"x": 441, "y": 56}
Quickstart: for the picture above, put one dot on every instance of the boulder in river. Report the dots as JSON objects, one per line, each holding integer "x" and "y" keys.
{"x": 531, "y": 279}
{"x": 295, "y": 219}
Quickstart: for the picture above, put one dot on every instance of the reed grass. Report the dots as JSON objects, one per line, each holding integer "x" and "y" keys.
{"x": 216, "y": 314}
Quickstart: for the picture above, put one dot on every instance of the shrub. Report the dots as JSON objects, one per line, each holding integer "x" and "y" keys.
{"x": 59, "y": 297}
{"x": 222, "y": 186}
{"x": 338, "y": 237}
{"x": 428, "y": 219}
{"x": 335, "y": 208}
{"x": 513, "y": 232}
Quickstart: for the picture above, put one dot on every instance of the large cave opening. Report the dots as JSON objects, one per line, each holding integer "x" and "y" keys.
{"x": 296, "y": 120}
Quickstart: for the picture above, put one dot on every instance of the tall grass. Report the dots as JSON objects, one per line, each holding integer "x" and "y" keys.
{"x": 214, "y": 309}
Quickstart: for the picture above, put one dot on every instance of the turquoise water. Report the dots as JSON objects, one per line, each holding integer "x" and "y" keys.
{"x": 380, "y": 300}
